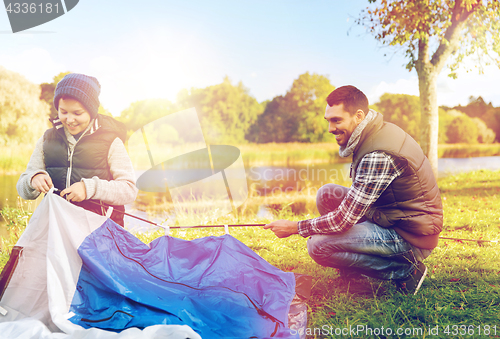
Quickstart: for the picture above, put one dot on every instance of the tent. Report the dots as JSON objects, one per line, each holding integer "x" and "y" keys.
{"x": 75, "y": 274}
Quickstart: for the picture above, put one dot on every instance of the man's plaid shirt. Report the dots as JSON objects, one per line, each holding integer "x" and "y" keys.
{"x": 374, "y": 174}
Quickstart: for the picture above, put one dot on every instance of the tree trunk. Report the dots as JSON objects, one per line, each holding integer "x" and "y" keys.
{"x": 429, "y": 120}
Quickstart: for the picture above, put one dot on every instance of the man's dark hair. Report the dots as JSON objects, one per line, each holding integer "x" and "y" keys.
{"x": 352, "y": 98}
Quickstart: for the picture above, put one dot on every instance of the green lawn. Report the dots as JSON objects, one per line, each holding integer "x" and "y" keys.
{"x": 460, "y": 297}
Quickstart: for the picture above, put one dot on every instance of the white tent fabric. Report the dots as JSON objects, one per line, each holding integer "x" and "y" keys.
{"x": 39, "y": 295}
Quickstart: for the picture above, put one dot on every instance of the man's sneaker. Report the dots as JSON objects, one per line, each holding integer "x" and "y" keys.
{"x": 349, "y": 275}
{"x": 356, "y": 283}
{"x": 412, "y": 284}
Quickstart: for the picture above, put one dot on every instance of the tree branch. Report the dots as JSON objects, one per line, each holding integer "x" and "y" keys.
{"x": 449, "y": 43}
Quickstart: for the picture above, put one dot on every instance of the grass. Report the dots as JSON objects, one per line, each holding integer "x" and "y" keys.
{"x": 290, "y": 153}
{"x": 14, "y": 158}
{"x": 462, "y": 287}
{"x": 13, "y": 221}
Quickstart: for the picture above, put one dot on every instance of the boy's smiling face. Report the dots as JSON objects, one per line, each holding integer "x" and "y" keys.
{"x": 73, "y": 115}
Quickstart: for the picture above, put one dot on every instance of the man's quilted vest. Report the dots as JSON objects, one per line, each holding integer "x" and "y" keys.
{"x": 412, "y": 202}
{"x": 88, "y": 159}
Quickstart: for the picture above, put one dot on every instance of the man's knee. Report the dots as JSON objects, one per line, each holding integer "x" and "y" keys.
{"x": 316, "y": 251}
{"x": 332, "y": 191}
{"x": 329, "y": 197}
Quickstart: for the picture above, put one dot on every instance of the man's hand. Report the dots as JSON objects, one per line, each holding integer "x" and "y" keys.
{"x": 42, "y": 183}
{"x": 76, "y": 192}
{"x": 283, "y": 228}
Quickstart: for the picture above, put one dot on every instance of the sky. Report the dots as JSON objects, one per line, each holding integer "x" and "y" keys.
{"x": 153, "y": 49}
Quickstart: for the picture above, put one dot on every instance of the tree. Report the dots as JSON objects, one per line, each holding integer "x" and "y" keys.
{"x": 47, "y": 95}
{"x": 478, "y": 108}
{"x": 297, "y": 116}
{"x": 485, "y": 135}
{"x": 465, "y": 129}
{"x": 48, "y": 90}
{"x": 402, "y": 110}
{"x": 462, "y": 130}
{"x": 274, "y": 125}
{"x": 142, "y": 112}
{"x": 445, "y": 120}
{"x": 23, "y": 116}
{"x": 226, "y": 111}
{"x": 431, "y": 32}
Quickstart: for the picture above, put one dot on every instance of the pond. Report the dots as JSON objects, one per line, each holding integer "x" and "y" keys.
{"x": 285, "y": 179}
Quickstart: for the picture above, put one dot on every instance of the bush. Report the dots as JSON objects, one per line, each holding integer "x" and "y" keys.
{"x": 23, "y": 116}
{"x": 485, "y": 134}
{"x": 462, "y": 129}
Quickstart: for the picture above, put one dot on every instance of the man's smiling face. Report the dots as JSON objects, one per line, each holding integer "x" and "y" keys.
{"x": 341, "y": 123}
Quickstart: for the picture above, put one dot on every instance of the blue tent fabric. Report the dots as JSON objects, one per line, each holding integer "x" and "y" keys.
{"x": 216, "y": 285}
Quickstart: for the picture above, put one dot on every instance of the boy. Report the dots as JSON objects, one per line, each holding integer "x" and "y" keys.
{"x": 83, "y": 155}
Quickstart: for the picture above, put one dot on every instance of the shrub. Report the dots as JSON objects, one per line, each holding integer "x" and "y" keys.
{"x": 462, "y": 130}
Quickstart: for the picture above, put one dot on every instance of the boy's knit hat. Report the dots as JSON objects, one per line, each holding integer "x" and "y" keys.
{"x": 80, "y": 87}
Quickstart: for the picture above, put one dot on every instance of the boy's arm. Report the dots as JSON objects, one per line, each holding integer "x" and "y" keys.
{"x": 121, "y": 190}
{"x": 35, "y": 166}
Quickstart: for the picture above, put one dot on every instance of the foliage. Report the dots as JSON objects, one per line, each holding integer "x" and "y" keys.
{"x": 14, "y": 158}
{"x": 402, "y": 110}
{"x": 462, "y": 130}
{"x": 16, "y": 220}
{"x": 295, "y": 117}
{"x": 143, "y": 112}
{"x": 48, "y": 90}
{"x": 465, "y": 129}
{"x": 445, "y": 120}
{"x": 413, "y": 24}
{"x": 274, "y": 125}
{"x": 47, "y": 95}
{"x": 485, "y": 135}
{"x": 226, "y": 111}
{"x": 23, "y": 117}
{"x": 478, "y": 108}
{"x": 430, "y": 32}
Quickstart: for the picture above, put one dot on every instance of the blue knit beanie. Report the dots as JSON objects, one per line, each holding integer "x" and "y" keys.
{"x": 80, "y": 87}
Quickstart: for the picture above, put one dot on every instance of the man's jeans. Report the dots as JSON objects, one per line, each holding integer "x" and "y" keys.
{"x": 365, "y": 248}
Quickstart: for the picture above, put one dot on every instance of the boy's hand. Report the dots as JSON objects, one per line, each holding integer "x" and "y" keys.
{"x": 283, "y": 228}
{"x": 41, "y": 182}
{"x": 76, "y": 192}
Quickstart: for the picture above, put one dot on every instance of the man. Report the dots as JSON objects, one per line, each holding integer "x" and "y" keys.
{"x": 389, "y": 220}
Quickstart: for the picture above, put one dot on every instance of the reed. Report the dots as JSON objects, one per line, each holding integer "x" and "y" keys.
{"x": 467, "y": 150}
{"x": 301, "y": 153}
{"x": 14, "y": 158}
{"x": 290, "y": 153}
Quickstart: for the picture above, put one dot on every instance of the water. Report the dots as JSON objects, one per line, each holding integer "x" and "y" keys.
{"x": 8, "y": 192}
{"x": 269, "y": 178}
{"x": 449, "y": 166}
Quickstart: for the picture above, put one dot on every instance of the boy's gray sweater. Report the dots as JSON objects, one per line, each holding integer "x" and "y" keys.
{"x": 119, "y": 191}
